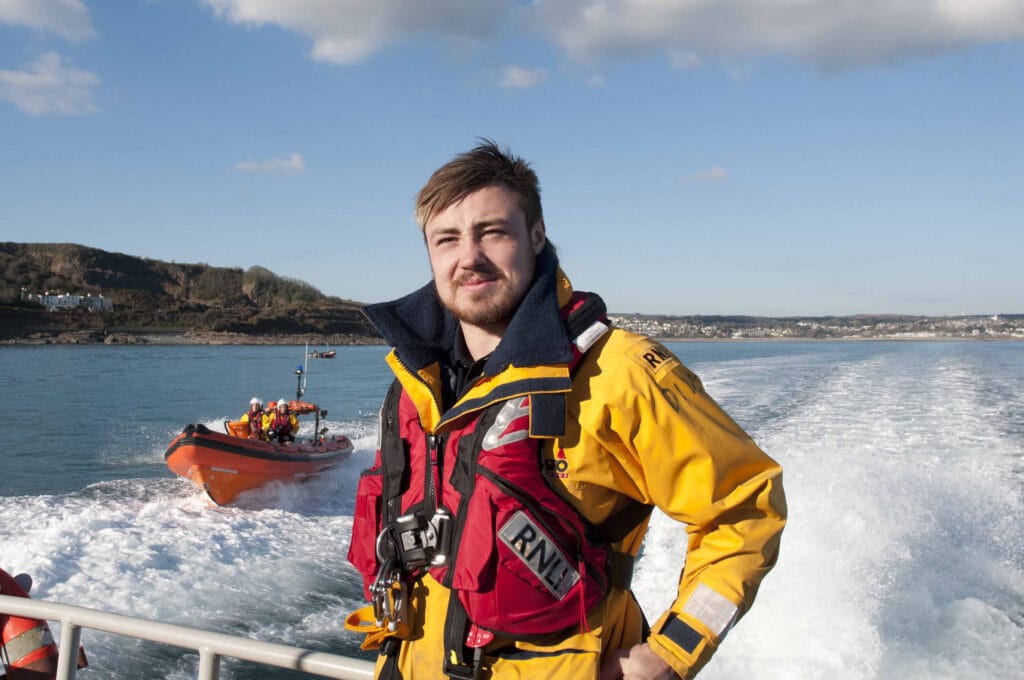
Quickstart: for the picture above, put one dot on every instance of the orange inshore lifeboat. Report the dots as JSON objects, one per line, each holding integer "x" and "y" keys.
{"x": 225, "y": 465}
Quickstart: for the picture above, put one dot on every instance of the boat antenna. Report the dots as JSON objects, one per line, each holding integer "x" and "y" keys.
{"x": 300, "y": 374}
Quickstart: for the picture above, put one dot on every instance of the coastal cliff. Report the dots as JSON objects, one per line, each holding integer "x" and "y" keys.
{"x": 157, "y": 301}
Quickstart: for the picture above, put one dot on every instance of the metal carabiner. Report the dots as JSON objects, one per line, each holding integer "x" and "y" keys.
{"x": 377, "y": 546}
{"x": 399, "y": 605}
{"x": 386, "y": 576}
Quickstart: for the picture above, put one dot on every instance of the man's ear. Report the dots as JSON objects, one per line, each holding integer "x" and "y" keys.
{"x": 538, "y": 236}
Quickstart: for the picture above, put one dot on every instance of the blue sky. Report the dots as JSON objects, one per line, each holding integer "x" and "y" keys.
{"x": 696, "y": 157}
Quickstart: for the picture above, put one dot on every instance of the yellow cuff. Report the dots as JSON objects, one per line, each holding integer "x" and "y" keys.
{"x": 680, "y": 642}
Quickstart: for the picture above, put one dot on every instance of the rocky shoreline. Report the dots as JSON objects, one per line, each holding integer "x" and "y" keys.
{"x": 342, "y": 340}
{"x": 189, "y": 338}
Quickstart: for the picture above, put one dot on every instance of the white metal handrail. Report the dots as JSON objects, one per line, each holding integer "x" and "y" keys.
{"x": 211, "y": 646}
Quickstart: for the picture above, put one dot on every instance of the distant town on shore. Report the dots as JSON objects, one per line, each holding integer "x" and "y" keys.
{"x": 879, "y": 327}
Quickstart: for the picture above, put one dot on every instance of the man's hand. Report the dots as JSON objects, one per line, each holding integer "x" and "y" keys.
{"x": 639, "y": 662}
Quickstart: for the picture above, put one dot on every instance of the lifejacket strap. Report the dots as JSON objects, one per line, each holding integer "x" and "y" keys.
{"x": 456, "y": 625}
{"x": 583, "y": 317}
{"x": 392, "y": 458}
{"x": 547, "y": 415}
{"x": 389, "y": 670}
{"x": 392, "y": 451}
{"x": 548, "y": 411}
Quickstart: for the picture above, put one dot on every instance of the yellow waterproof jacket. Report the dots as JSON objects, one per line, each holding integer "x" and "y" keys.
{"x": 642, "y": 426}
{"x": 639, "y": 426}
{"x": 268, "y": 422}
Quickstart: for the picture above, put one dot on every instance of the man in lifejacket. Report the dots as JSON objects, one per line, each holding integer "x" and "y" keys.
{"x": 254, "y": 418}
{"x": 522, "y": 448}
{"x": 280, "y": 424}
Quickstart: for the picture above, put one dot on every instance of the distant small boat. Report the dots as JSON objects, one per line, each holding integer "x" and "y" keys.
{"x": 316, "y": 354}
{"x": 225, "y": 465}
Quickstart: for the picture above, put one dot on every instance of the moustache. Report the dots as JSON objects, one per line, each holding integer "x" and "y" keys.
{"x": 485, "y": 274}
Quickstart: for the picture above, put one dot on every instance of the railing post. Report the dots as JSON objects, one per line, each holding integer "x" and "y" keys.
{"x": 70, "y": 639}
{"x": 209, "y": 664}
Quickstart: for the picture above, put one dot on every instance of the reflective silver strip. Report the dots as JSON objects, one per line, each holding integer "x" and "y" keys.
{"x": 540, "y": 554}
{"x": 710, "y": 608}
{"x": 495, "y": 437}
{"x": 220, "y": 469}
{"x": 588, "y": 337}
{"x": 32, "y": 639}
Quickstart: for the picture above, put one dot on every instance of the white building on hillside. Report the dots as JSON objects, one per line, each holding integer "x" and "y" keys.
{"x": 57, "y": 301}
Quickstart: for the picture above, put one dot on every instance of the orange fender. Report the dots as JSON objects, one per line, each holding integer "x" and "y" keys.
{"x": 29, "y": 652}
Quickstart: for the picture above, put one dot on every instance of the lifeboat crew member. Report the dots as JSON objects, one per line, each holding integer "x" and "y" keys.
{"x": 522, "y": 448}
{"x": 254, "y": 418}
{"x": 280, "y": 424}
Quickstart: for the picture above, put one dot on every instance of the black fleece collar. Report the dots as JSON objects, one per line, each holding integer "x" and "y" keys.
{"x": 422, "y": 330}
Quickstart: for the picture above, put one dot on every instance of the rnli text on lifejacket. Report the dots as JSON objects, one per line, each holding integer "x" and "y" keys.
{"x": 539, "y": 553}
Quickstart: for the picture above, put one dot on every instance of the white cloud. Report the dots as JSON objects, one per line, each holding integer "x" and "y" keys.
{"x": 47, "y": 86}
{"x": 831, "y": 34}
{"x": 347, "y": 32}
{"x": 519, "y": 77}
{"x": 827, "y": 33}
{"x": 715, "y": 173}
{"x": 69, "y": 18}
{"x": 292, "y": 165}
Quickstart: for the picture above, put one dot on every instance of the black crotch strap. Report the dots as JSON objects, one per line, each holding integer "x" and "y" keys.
{"x": 460, "y": 662}
{"x": 389, "y": 671}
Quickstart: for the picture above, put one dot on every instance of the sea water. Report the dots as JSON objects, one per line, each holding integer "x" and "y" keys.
{"x": 904, "y": 471}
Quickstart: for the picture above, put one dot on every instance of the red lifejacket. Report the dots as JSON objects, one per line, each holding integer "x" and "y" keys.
{"x": 256, "y": 424}
{"x": 520, "y": 558}
{"x": 281, "y": 423}
{"x": 517, "y": 553}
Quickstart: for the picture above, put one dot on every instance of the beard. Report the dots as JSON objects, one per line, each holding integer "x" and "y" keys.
{"x": 487, "y": 308}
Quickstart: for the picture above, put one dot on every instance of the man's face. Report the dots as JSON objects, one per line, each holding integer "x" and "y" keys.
{"x": 483, "y": 255}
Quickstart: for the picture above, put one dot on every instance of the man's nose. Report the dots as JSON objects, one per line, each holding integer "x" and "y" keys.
{"x": 470, "y": 253}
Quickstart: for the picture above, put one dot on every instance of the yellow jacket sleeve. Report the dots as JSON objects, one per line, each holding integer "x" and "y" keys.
{"x": 669, "y": 444}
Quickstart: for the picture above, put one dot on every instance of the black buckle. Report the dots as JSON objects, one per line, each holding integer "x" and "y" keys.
{"x": 420, "y": 541}
{"x": 464, "y": 671}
